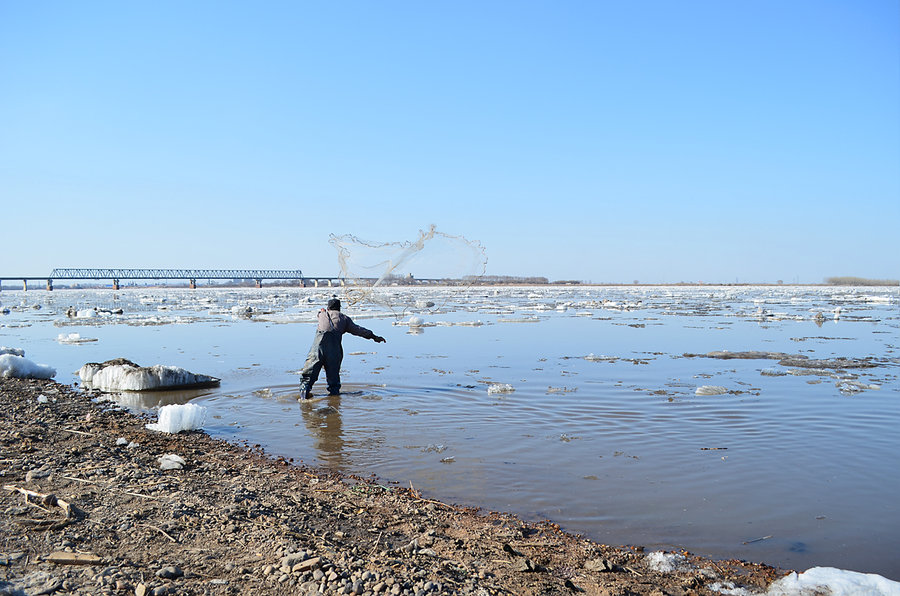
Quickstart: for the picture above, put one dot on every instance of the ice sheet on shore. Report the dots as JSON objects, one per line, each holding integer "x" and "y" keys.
{"x": 816, "y": 581}
{"x": 19, "y": 367}
{"x": 123, "y": 375}
{"x": 175, "y": 418}
{"x": 834, "y": 582}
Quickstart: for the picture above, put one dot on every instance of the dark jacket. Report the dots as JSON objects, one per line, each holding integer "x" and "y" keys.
{"x": 335, "y": 320}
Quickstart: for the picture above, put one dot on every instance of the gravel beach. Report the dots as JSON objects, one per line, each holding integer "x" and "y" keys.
{"x": 88, "y": 509}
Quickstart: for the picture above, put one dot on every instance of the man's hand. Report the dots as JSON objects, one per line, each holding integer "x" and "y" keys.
{"x": 379, "y": 340}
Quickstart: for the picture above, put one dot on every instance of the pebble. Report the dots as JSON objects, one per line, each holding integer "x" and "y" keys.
{"x": 170, "y": 572}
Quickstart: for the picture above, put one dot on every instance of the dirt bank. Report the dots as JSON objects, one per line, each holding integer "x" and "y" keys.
{"x": 86, "y": 508}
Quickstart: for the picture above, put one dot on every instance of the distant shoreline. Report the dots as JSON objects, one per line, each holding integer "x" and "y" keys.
{"x": 451, "y": 283}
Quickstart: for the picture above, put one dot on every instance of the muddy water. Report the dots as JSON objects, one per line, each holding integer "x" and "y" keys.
{"x": 603, "y": 432}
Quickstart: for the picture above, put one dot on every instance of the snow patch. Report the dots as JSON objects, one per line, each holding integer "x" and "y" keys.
{"x": 175, "y": 418}
{"x": 19, "y": 367}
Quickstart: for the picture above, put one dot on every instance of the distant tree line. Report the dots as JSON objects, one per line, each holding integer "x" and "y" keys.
{"x": 506, "y": 279}
{"x": 860, "y": 281}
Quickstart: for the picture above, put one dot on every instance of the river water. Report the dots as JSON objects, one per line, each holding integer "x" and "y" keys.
{"x": 574, "y": 404}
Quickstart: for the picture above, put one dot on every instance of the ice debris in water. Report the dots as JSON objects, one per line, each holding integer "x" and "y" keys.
{"x": 73, "y": 338}
{"x": 175, "y": 418}
{"x": 595, "y": 358}
{"x": 835, "y": 582}
{"x": 415, "y": 321}
{"x": 13, "y": 351}
{"x": 123, "y": 375}
{"x": 494, "y": 388}
{"x": 711, "y": 390}
{"x": 19, "y": 367}
{"x": 854, "y": 387}
{"x": 170, "y": 461}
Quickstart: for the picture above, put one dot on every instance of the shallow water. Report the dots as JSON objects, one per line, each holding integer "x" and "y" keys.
{"x": 604, "y": 432}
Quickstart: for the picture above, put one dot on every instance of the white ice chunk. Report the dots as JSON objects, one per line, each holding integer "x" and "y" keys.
{"x": 711, "y": 390}
{"x": 175, "y": 418}
{"x": 87, "y": 313}
{"x": 415, "y": 321}
{"x": 666, "y": 562}
{"x": 495, "y": 388}
{"x": 42, "y": 399}
{"x": 19, "y": 367}
{"x": 121, "y": 441}
{"x": 834, "y": 582}
{"x": 73, "y": 338}
{"x": 122, "y": 375}
{"x": 170, "y": 461}
{"x": 13, "y": 351}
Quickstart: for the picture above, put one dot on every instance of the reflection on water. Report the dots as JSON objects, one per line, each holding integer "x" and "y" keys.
{"x": 323, "y": 421}
{"x": 602, "y": 431}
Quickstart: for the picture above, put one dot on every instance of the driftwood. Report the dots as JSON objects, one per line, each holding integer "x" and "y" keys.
{"x": 44, "y": 501}
{"x": 64, "y": 558}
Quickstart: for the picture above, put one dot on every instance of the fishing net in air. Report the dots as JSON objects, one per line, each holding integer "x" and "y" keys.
{"x": 388, "y": 273}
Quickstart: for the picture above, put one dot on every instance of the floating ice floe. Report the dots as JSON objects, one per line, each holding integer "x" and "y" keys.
{"x": 495, "y": 388}
{"x": 13, "y": 351}
{"x": 123, "y": 375}
{"x": 854, "y": 387}
{"x": 415, "y": 321}
{"x": 19, "y": 367}
{"x": 175, "y": 418}
{"x": 772, "y": 372}
{"x": 73, "y": 338}
{"x": 244, "y": 312}
{"x": 711, "y": 390}
{"x": 595, "y": 358}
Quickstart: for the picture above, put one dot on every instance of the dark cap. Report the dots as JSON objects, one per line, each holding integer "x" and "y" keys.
{"x": 334, "y": 304}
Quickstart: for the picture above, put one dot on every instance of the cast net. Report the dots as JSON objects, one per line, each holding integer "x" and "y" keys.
{"x": 393, "y": 275}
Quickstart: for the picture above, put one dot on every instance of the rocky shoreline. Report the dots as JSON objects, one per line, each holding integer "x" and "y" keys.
{"x": 87, "y": 509}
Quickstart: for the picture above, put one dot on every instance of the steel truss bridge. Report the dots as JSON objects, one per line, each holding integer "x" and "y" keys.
{"x": 192, "y": 275}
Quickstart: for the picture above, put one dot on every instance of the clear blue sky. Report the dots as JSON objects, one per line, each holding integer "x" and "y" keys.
{"x": 594, "y": 140}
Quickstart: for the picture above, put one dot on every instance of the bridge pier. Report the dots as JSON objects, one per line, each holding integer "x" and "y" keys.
{"x": 115, "y": 284}
{"x": 258, "y": 283}
{"x": 49, "y": 285}
{"x": 24, "y": 285}
{"x": 193, "y": 284}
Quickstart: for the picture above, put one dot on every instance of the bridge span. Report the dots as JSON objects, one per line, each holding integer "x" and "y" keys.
{"x": 191, "y": 275}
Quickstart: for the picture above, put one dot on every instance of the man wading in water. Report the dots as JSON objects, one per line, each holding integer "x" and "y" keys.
{"x": 326, "y": 349}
